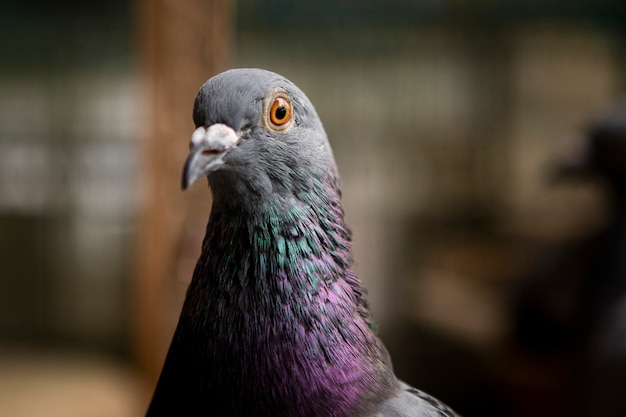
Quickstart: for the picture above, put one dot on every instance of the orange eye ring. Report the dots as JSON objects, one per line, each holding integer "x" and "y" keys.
{"x": 280, "y": 113}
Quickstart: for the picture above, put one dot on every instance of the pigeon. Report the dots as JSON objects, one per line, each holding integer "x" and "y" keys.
{"x": 275, "y": 323}
{"x": 600, "y": 337}
{"x": 575, "y": 306}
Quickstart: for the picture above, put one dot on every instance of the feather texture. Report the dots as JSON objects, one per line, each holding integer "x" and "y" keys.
{"x": 275, "y": 322}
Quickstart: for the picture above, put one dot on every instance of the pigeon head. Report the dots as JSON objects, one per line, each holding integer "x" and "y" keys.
{"x": 257, "y": 136}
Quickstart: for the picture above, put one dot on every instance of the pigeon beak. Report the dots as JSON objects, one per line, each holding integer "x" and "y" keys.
{"x": 208, "y": 147}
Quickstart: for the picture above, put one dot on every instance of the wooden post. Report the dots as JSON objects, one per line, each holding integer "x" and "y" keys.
{"x": 182, "y": 43}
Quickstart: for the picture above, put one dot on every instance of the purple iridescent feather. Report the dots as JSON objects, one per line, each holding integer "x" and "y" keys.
{"x": 275, "y": 323}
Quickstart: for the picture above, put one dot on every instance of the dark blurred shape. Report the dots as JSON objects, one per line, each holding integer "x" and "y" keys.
{"x": 603, "y": 155}
{"x": 576, "y": 306}
{"x": 607, "y": 153}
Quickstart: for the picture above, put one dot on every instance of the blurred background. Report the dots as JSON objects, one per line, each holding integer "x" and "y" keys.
{"x": 482, "y": 167}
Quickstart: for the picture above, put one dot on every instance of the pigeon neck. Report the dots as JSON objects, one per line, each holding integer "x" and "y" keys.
{"x": 291, "y": 246}
{"x": 273, "y": 299}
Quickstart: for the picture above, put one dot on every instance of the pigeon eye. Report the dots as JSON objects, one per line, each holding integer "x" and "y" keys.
{"x": 280, "y": 113}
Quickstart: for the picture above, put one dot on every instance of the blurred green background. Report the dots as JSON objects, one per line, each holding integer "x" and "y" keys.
{"x": 445, "y": 117}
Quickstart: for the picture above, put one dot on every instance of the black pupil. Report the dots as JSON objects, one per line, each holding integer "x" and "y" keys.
{"x": 280, "y": 112}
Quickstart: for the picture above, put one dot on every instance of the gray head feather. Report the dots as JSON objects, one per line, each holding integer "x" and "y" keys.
{"x": 267, "y": 160}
